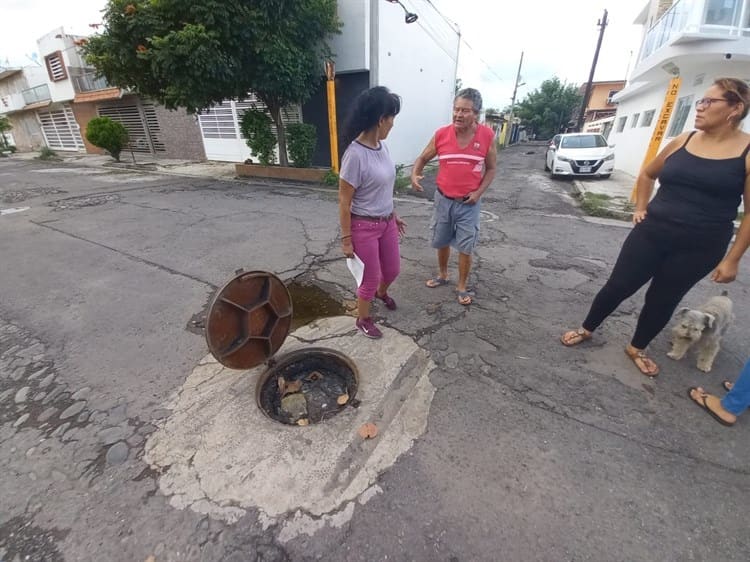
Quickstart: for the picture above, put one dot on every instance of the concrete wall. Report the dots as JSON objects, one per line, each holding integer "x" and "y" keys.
{"x": 85, "y": 112}
{"x": 352, "y": 46}
{"x": 181, "y": 134}
{"x": 418, "y": 62}
{"x": 26, "y": 132}
{"x": 56, "y": 40}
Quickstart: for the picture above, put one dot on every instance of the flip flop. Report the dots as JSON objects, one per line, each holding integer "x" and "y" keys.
{"x": 727, "y": 385}
{"x": 578, "y": 336}
{"x": 436, "y": 282}
{"x": 642, "y": 357}
{"x": 463, "y": 296}
{"x": 703, "y": 404}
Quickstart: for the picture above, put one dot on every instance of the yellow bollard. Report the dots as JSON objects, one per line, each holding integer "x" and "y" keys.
{"x": 332, "y": 127}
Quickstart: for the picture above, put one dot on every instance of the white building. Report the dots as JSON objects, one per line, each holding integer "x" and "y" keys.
{"x": 699, "y": 40}
{"x": 376, "y": 47}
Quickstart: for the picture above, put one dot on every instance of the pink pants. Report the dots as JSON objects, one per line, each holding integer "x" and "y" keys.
{"x": 376, "y": 244}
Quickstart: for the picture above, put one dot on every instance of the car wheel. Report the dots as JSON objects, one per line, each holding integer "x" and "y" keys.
{"x": 546, "y": 167}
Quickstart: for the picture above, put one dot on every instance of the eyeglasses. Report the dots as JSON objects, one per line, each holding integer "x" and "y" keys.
{"x": 707, "y": 101}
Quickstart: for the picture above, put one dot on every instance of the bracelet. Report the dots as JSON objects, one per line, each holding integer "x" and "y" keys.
{"x": 346, "y": 236}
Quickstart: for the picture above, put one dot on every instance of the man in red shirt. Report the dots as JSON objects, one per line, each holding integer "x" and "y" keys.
{"x": 467, "y": 157}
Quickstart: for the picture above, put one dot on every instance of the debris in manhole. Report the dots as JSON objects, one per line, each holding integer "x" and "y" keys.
{"x": 368, "y": 431}
{"x": 310, "y": 388}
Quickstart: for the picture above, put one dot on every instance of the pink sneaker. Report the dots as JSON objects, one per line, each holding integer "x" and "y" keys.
{"x": 390, "y": 304}
{"x": 368, "y": 328}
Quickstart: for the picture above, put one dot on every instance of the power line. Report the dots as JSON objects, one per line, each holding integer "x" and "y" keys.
{"x": 482, "y": 60}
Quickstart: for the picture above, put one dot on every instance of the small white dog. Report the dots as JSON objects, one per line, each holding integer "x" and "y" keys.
{"x": 703, "y": 329}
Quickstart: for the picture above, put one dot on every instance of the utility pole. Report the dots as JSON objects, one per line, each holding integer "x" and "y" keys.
{"x": 602, "y": 23}
{"x": 509, "y": 132}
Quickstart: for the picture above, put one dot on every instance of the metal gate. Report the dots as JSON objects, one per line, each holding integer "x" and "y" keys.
{"x": 142, "y": 124}
{"x": 60, "y": 129}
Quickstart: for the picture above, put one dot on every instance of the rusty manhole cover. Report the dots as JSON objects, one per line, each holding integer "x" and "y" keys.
{"x": 247, "y": 323}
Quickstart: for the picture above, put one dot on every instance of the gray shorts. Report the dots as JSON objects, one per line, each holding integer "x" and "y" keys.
{"x": 455, "y": 224}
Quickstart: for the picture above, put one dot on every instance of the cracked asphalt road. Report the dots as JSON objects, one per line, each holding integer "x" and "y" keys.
{"x": 532, "y": 451}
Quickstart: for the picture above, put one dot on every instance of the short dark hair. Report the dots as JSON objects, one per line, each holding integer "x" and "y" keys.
{"x": 368, "y": 109}
{"x": 472, "y": 95}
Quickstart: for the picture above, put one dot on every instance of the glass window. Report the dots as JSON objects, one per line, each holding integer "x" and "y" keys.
{"x": 648, "y": 117}
{"x": 621, "y": 124}
{"x": 634, "y": 120}
{"x": 722, "y": 12}
{"x": 680, "y": 116}
{"x": 584, "y": 141}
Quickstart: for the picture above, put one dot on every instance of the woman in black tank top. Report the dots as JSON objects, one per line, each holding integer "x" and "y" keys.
{"x": 683, "y": 234}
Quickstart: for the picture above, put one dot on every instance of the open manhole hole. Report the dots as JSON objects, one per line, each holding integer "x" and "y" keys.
{"x": 247, "y": 323}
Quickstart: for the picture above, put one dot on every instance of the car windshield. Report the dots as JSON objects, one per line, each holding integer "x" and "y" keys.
{"x": 584, "y": 141}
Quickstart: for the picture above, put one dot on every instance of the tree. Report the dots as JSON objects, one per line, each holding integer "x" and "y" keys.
{"x": 110, "y": 135}
{"x": 5, "y": 126}
{"x": 196, "y": 53}
{"x": 547, "y": 110}
{"x": 459, "y": 85}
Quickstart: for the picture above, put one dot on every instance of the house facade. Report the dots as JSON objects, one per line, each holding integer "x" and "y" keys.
{"x": 375, "y": 47}
{"x": 61, "y": 96}
{"x": 601, "y": 104}
{"x": 697, "y": 40}
{"x": 20, "y": 89}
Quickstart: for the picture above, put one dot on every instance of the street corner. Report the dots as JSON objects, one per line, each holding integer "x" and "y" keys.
{"x": 220, "y": 455}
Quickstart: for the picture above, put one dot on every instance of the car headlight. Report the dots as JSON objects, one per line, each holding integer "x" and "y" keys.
{"x": 610, "y": 157}
{"x": 562, "y": 158}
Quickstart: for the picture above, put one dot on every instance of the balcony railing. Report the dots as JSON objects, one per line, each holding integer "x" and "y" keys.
{"x": 89, "y": 82}
{"x": 712, "y": 18}
{"x": 37, "y": 94}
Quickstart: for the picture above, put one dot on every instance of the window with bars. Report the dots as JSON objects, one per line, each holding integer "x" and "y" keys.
{"x": 621, "y": 124}
{"x": 56, "y": 66}
{"x": 648, "y": 117}
{"x": 222, "y": 121}
{"x": 634, "y": 121}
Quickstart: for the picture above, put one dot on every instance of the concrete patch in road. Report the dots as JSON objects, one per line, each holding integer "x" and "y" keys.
{"x": 218, "y": 454}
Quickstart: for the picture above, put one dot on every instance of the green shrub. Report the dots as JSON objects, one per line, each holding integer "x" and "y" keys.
{"x": 46, "y": 153}
{"x": 110, "y": 135}
{"x": 256, "y": 128}
{"x": 301, "y": 141}
{"x": 331, "y": 178}
{"x": 11, "y": 148}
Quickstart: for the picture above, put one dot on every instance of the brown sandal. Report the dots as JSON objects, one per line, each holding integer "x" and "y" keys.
{"x": 642, "y": 361}
{"x": 574, "y": 337}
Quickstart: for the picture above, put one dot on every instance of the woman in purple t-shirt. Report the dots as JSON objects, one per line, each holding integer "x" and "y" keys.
{"x": 369, "y": 226}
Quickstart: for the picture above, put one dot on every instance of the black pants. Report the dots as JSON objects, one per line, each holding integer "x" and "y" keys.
{"x": 674, "y": 257}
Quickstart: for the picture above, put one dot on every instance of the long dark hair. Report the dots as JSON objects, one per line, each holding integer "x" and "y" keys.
{"x": 369, "y": 108}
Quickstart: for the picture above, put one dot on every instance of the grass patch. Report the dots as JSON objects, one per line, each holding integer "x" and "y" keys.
{"x": 598, "y": 205}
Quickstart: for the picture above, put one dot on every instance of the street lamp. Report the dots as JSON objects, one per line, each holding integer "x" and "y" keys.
{"x": 409, "y": 17}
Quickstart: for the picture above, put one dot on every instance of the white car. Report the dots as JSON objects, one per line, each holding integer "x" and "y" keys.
{"x": 579, "y": 154}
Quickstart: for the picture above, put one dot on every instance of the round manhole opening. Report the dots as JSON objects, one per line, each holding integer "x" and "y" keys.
{"x": 308, "y": 386}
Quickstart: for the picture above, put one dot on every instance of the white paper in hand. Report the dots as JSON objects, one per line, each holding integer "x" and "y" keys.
{"x": 357, "y": 267}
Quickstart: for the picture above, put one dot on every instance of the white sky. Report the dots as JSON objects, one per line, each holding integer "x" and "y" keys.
{"x": 558, "y": 38}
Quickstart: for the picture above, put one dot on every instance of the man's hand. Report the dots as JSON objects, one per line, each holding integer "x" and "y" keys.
{"x": 415, "y": 179}
{"x": 472, "y": 198}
